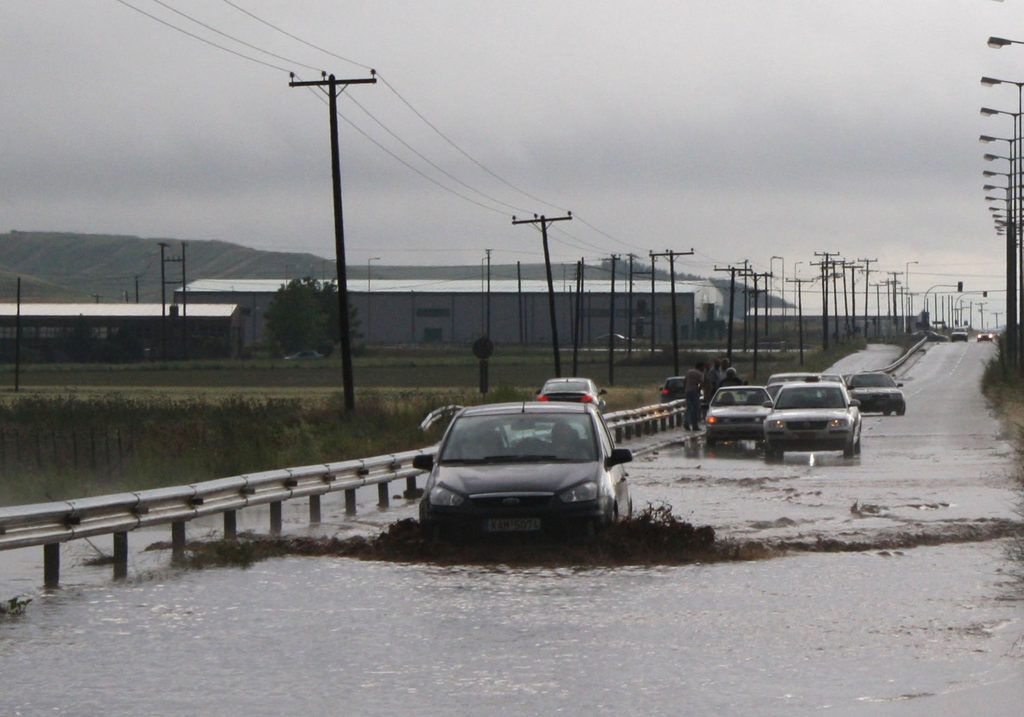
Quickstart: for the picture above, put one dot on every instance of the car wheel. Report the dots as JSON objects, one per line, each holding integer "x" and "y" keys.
{"x": 856, "y": 446}
{"x": 848, "y": 450}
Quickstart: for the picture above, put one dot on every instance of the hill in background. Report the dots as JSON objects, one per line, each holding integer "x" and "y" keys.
{"x": 69, "y": 267}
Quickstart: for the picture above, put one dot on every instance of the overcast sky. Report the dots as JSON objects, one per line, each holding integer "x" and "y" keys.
{"x": 744, "y": 129}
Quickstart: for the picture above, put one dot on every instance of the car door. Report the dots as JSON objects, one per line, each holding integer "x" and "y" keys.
{"x": 617, "y": 474}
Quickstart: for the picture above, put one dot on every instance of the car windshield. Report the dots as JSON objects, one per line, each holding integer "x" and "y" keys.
{"x": 872, "y": 380}
{"x": 740, "y": 397}
{"x": 566, "y": 387}
{"x": 810, "y": 396}
{"x": 520, "y": 437}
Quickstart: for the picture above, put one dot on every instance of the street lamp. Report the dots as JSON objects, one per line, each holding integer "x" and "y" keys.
{"x": 771, "y": 270}
{"x": 368, "y": 270}
{"x": 906, "y": 284}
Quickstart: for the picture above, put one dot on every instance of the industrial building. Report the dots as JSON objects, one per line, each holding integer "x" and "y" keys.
{"x": 510, "y": 312}
{"x": 119, "y": 332}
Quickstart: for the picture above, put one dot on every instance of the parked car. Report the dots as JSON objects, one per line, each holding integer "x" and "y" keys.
{"x": 573, "y": 390}
{"x": 813, "y": 415}
{"x": 958, "y": 335}
{"x": 525, "y": 468}
{"x": 877, "y": 391}
{"x": 737, "y": 413}
{"x": 672, "y": 390}
{"x": 308, "y": 354}
{"x": 776, "y": 380}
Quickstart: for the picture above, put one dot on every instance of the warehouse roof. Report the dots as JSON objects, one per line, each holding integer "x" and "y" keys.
{"x": 115, "y": 310}
{"x": 458, "y": 286}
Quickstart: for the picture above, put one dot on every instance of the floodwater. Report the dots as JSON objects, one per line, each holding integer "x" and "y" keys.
{"x": 927, "y": 630}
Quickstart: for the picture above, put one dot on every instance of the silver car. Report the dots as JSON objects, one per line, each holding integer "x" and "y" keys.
{"x": 737, "y": 413}
{"x": 813, "y": 415}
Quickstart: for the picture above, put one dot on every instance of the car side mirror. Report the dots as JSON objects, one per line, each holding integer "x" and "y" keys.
{"x": 854, "y": 401}
{"x": 618, "y": 457}
{"x": 899, "y": 385}
{"x": 767, "y": 404}
{"x": 424, "y": 461}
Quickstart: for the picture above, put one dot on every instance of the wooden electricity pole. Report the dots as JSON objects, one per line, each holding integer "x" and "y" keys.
{"x": 331, "y": 84}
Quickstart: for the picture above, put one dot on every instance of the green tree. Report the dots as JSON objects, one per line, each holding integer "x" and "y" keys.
{"x": 296, "y": 319}
{"x": 304, "y": 315}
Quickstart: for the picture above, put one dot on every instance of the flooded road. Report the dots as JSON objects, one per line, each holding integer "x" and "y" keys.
{"x": 876, "y": 631}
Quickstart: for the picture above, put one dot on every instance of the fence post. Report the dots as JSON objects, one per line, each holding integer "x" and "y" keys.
{"x": 383, "y": 497}
{"x": 275, "y": 518}
{"x": 230, "y": 525}
{"x": 177, "y": 540}
{"x": 51, "y": 565}
{"x": 120, "y": 554}
{"x": 350, "y": 501}
{"x": 314, "y": 509}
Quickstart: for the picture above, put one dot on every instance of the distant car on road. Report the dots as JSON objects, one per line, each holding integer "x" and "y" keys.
{"x": 310, "y": 354}
{"x": 672, "y": 390}
{"x": 572, "y": 390}
{"x": 958, "y": 335}
{"x": 525, "y": 468}
{"x": 813, "y": 415}
{"x": 737, "y": 413}
{"x": 877, "y": 391}
{"x": 986, "y": 336}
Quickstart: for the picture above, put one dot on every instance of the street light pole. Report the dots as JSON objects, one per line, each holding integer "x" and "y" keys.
{"x": 906, "y": 289}
{"x": 369, "y": 324}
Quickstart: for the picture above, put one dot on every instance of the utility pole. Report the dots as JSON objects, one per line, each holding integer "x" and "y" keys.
{"x": 653, "y": 314}
{"x": 800, "y": 311}
{"x": 577, "y": 319}
{"x": 826, "y": 267}
{"x": 17, "y": 341}
{"x": 519, "y": 281}
{"x": 136, "y": 289}
{"x": 487, "y": 333}
{"x": 867, "y": 284}
{"x": 544, "y": 222}
{"x": 163, "y": 304}
{"x": 675, "y": 321}
{"x": 611, "y": 326}
{"x": 629, "y": 311}
{"x": 732, "y": 305}
{"x": 895, "y": 307}
{"x": 331, "y": 84}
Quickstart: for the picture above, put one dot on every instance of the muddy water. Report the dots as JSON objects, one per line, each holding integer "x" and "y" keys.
{"x": 909, "y": 631}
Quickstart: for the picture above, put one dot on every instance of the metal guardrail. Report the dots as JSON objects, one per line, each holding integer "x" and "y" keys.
{"x": 53, "y": 523}
{"x": 903, "y": 359}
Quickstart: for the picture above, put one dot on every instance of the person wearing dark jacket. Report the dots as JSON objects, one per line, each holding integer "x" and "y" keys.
{"x": 692, "y": 384}
{"x": 732, "y": 378}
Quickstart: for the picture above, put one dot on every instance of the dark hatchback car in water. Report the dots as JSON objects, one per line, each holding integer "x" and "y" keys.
{"x": 877, "y": 392}
{"x": 525, "y": 468}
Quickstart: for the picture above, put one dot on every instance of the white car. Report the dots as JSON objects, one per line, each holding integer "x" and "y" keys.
{"x": 813, "y": 415}
{"x": 736, "y": 413}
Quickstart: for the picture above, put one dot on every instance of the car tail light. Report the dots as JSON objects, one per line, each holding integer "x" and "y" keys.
{"x": 543, "y": 398}
{"x": 664, "y": 392}
{"x": 586, "y": 398}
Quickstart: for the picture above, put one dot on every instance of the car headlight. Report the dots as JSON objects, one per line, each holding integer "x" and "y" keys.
{"x": 777, "y": 423}
{"x": 838, "y": 423}
{"x": 439, "y": 495}
{"x": 579, "y": 492}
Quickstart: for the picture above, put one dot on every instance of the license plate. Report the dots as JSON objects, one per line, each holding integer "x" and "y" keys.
{"x": 512, "y": 525}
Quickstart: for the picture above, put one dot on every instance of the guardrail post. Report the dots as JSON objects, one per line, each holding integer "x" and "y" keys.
{"x": 51, "y": 565}
{"x": 662, "y": 423}
{"x": 120, "y": 554}
{"x": 177, "y": 539}
{"x": 350, "y": 501}
{"x": 314, "y": 509}
{"x": 383, "y": 497}
{"x": 618, "y": 434}
{"x": 411, "y": 491}
{"x": 275, "y": 518}
{"x": 230, "y": 525}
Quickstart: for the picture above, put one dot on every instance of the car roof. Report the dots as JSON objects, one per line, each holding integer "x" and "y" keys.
{"x": 578, "y": 379}
{"x": 532, "y": 407}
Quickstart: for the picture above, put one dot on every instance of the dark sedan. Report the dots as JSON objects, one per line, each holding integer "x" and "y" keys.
{"x": 877, "y": 392}
{"x": 541, "y": 468}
